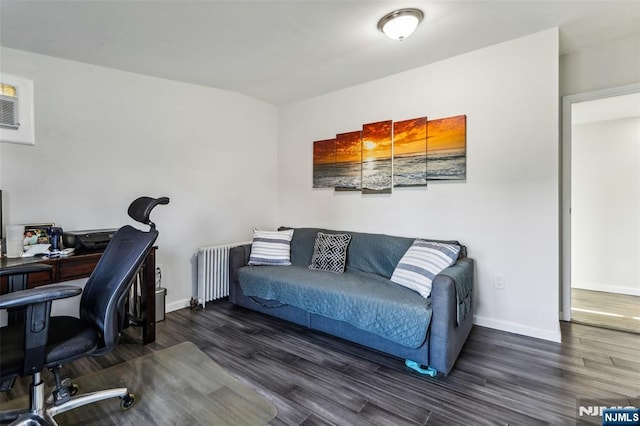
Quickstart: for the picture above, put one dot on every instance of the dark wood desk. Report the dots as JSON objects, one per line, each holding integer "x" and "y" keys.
{"x": 66, "y": 268}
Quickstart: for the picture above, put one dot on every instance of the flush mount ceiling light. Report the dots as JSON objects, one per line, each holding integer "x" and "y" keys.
{"x": 400, "y": 23}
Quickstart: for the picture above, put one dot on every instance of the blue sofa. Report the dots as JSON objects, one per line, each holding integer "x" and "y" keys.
{"x": 362, "y": 305}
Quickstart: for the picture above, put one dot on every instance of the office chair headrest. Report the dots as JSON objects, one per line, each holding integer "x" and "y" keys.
{"x": 141, "y": 208}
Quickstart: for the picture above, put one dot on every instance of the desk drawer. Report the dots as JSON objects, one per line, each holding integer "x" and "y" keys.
{"x": 80, "y": 266}
{"x": 41, "y": 278}
{"x": 36, "y": 279}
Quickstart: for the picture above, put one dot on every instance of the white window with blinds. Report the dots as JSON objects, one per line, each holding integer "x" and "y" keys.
{"x": 16, "y": 110}
{"x": 8, "y": 106}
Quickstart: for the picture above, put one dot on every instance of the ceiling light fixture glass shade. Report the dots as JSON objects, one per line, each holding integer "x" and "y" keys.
{"x": 400, "y": 23}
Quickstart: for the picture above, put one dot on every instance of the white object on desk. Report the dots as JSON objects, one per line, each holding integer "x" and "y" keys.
{"x": 64, "y": 252}
{"x": 36, "y": 249}
{"x": 15, "y": 234}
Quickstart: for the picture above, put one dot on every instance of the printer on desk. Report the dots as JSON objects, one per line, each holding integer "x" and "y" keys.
{"x": 89, "y": 240}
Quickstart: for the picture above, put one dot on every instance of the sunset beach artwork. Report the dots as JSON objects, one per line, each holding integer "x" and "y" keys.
{"x": 447, "y": 148}
{"x": 387, "y": 154}
{"x": 324, "y": 163}
{"x": 377, "y": 140}
{"x": 410, "y": 152}
{"x": 348, "y": 168}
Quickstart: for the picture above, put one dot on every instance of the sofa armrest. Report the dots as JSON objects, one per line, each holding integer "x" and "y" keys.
{"x": 447, "y": 335}
{"x": 238, "y": 257}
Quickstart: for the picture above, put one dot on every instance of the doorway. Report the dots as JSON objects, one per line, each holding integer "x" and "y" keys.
{"x": 601, "y": 208}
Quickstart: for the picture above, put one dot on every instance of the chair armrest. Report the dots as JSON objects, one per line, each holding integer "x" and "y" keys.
{"x": 37, "y": 304}
{"x": 24, "y": 269}
{"x": 38, "y": 295}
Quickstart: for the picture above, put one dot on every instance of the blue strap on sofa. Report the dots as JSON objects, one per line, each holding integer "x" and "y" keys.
{"x": 431, "y": 372}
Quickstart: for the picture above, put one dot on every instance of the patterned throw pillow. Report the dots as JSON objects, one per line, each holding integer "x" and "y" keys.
{"x": 330, "y": 252}
{"x": 271, "y": 247}
{"x": 422, "y": 262}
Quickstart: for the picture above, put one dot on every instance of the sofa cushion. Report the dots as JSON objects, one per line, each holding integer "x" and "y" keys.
{"x": 366, "y": 301}
{"x": 422, "y": 262}
{"x": 330, "y": 252}
{"x": 375, "y": 253}
{"x": 271, "y": 247}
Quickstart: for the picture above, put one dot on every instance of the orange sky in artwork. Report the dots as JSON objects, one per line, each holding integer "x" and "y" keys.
{"x": 410, "y": 137}
{"x": 376, "y": 140}
{"x": 447, "y": 133}
{"x": 348, "y": 147}
{"x": 324, "y": 152}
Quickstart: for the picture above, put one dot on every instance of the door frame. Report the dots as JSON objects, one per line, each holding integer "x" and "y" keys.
{"x": 565, "y": 189}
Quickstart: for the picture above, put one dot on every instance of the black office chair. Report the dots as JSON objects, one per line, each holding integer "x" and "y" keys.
{"x": 49, "y": 342}
{"x": 17, "y": 279}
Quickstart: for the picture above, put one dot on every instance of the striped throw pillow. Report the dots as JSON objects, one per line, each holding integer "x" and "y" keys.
{"x": 271, "y": 247}
{"x": 422, "y": 262}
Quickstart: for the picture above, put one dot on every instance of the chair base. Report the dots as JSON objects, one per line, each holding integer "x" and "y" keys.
{"x": 42, "y": 411}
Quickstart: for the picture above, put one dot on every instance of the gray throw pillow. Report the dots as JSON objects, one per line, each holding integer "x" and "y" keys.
{"x": 330, "y": 252}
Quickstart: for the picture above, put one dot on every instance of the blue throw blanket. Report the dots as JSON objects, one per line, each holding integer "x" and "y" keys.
{"x": 364, "y": 300}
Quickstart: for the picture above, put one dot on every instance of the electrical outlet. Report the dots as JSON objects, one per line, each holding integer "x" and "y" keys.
{"x": 499, "y": 281}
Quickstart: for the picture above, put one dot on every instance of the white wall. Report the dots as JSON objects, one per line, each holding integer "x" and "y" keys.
{"x": 603, "y": 65}
{"x": 507, "y": 210}
{"x": 105, "y": 137}
{"x": 605, "y": 206}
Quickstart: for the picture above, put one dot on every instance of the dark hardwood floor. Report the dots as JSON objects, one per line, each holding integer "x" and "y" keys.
{"x": 314, "y": 379}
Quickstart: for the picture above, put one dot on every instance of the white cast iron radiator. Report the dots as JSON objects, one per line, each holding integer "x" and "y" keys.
{"x": 213, "y": 272}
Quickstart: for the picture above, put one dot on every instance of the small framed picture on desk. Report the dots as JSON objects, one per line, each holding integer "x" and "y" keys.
{"x": 37, "y": 233}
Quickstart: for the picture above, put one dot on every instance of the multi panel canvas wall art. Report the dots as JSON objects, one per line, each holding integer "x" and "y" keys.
{"x": 377, "y": 139}
{"x": 348, "y": 171}
{"x": 447, "y": 148}
{"x": 410, "y": 152}
{"x": 385, "y": 154}
{"x": 324, "y": 164}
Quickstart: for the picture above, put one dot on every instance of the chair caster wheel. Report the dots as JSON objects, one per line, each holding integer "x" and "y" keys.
{"x": 127, "y": 401}
{"x": 73, "y": 389}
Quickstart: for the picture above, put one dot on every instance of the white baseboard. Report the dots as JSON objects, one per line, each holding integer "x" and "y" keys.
{"x": 630, "y": 291}
{"x": 553, "y": 336}
{"x": 178, "y": 304}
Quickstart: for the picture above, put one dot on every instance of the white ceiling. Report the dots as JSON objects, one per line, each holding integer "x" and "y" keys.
{"x": 285, "y": 51}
